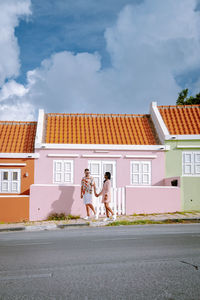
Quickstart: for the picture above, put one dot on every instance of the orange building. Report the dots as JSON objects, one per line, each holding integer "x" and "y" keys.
{"x": 16, "y": 169}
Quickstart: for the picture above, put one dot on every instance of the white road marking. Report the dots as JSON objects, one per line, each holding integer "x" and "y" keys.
{"x": 25, "y": 244}
{"x": 17, "y": 277}
{"x": 115, "y": 239}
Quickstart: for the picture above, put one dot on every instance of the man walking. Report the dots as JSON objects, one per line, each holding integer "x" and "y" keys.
{"x": 87, "y": 185}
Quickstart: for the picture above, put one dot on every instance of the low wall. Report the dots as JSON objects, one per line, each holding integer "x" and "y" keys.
{"x": 167, "y": 181}
{"x": 47, "y": 199}
{"x": 14, "y": 208}
{"x": 152, "y": 199}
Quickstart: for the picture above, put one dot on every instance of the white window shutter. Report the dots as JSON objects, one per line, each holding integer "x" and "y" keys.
{"x": 95, "y": 171}
{"x": 58, "y": 171}
{"x": 68, "y": 171}
{"x": 63, "y": 171}
{"x": 10, "y": 180}
{"x": 141, "y": 172}
{"x": 188, "y": 163}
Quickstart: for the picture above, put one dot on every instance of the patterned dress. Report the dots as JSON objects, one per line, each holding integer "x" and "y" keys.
{"x": 87, "y": 184}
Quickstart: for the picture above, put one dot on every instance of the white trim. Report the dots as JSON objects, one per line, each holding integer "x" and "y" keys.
{"x": 64, "y": 184}
{"x": 13, "y": 164}
{"x": 182, "y": 137}
{"x": 13, "y": 196}
{"x": 162, "y": 129}
{"x": 101, "y": 155}
{"x": 188, "y": 146}
{"x": 140, "y": 156}
{"x": 159, "y": 124}
{"x": 63, "y": 155}
{"x": 152, "y": 186}
{"x": 40, "y": 126}
{"x": 103, "y": 147}
{"x": 101, "y": 151}
{"x": 19, "y": 155}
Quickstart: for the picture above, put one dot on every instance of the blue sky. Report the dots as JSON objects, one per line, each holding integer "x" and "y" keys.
{"x": 55, "y": 26}
{"x": 111, "y": 56}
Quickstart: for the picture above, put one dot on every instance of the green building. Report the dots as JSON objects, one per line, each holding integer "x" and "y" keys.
{"x": 178, "y": 126}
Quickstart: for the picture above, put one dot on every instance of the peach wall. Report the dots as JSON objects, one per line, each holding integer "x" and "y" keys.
{"x": 152, "y": 200}
{"x": 25, "y": 181}
{"x": 14, "y": 209}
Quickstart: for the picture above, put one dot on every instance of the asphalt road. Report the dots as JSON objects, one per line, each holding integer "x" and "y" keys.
{"x": 129, "y": 262}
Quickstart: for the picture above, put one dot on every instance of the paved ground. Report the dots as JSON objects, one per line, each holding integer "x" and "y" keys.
{"x": 49, "y": 225}
{"x": 130, "y": 262}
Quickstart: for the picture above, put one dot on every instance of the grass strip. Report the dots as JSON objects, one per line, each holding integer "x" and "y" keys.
{"x": 144, "y": 222}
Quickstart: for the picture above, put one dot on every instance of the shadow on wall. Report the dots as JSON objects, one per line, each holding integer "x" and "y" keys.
{"x": 65, "y": 201}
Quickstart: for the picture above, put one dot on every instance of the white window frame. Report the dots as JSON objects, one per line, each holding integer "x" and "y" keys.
{"x": 63, "y": 172}
{"x": 10, "y": 181}
{"x": 101, "y": 175}
{"x": 193, "y": 164}
{"x": 141, "y": 172}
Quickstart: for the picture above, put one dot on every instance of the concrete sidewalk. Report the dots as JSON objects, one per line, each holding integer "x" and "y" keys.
{"x": 50, "y": 225}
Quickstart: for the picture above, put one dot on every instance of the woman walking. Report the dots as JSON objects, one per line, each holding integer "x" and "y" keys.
{"x": 87, "y": 184}
{"x": 106, "y": 196}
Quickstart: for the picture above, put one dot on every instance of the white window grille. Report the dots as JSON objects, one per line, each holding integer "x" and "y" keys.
{"x": 63, "y": 171}
{"x": 140, "y": 172}
{"x": 191, "y": 163}
{"x": 10, "y": 181}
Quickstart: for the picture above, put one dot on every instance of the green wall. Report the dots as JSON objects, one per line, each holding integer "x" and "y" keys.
{"x": 190, "y": 186}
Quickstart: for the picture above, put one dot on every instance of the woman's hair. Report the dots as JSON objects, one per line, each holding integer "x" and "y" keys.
{"x": 108, "y": 174}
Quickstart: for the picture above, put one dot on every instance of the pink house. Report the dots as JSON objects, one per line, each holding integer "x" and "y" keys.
{"x": 126, "y": 145}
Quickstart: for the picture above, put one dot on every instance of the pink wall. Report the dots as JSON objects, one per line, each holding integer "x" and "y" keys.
{"x": 49, "y": 199}
{"x": 44, "y": 165}
{"x": 45, "y": 197}
{"x": 152, "y": 200}
{"x": 167, "y": 181}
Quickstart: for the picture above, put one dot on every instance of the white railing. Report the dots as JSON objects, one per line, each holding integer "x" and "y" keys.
{"x": 117, "y": 203}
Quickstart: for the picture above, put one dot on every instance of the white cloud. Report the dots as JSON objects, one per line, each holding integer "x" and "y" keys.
{"x": 12, "y": 89}
{"x": 149, "y": 46}
{"x": 19, "y": 111}
{"x": 10, "y": 12}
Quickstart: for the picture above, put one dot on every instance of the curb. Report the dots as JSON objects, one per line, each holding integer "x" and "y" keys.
{"x": 184, "y": 219}
{"x": 43, "y": 227}
{"x": 62, "y": 226}
{"x": 12, "y": 229}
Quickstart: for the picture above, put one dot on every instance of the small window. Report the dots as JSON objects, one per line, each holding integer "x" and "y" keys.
{"x": 141, "y": 173}
{"x": 10, "y": 181}
{"x": 63, "y": 171}
{"x": 5, "y": 175}
{"x": 191, "y": 163}
{"x": 15, "y": 176}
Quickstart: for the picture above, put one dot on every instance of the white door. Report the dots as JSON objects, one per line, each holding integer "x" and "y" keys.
{"x": 98, "y": 168}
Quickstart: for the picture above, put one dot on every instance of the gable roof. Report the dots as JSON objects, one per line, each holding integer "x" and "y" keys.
{"x": 119, "y": 129}
{"x": 17, "y": 137}
{"x": 181, "y": 119}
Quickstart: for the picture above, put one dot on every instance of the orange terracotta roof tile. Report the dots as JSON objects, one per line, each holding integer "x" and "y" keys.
{"x": 17, "y": 137}
{"x": 126, "y": 129}
{"x": 181, "y": 119}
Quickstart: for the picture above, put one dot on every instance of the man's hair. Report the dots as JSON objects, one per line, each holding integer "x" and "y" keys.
{"x": 86, "y": 170}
